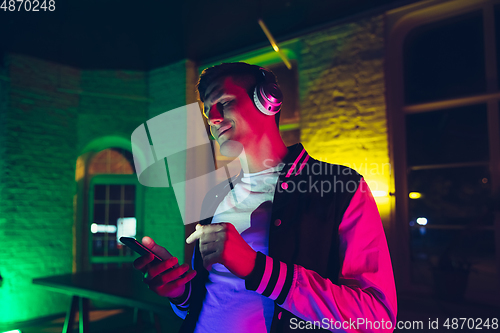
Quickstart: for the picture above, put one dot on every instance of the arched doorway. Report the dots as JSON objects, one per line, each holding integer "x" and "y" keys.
{"x": 109, "y": 206}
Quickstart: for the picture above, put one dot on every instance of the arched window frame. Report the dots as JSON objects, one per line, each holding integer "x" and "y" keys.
{"x": 82, "y": 256}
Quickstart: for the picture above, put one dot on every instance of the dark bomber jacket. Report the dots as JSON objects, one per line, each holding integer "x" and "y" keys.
{"x": 312, "y": 272}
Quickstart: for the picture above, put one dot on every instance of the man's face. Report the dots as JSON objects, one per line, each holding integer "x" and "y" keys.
{"x": 231, "y": 113}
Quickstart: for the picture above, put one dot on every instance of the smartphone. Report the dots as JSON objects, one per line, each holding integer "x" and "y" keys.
{"x": 135, "y": 245}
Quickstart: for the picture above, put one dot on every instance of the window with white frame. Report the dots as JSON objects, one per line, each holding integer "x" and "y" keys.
{"x": 113, "y": 208}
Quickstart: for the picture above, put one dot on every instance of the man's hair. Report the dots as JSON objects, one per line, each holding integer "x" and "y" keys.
{"x": 243, "y": 74}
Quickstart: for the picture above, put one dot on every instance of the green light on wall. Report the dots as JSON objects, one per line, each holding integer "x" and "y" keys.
{"x": 13, "y": 331}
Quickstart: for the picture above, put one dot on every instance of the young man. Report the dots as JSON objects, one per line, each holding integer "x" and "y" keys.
{"x": 293, "y": 241}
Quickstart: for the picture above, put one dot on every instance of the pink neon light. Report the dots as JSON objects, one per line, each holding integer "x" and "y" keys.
{"x": 295, "y": 163}
{"x": 280, "y": 283}
{"x": 302, "y": 165}
{"x": 267, "y": 275}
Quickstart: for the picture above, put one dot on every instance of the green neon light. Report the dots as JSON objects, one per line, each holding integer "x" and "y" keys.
{"x": 107, "y": 142}
{"x": 289, "y": 127}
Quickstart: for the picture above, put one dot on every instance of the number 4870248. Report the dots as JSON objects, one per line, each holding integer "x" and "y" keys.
{"x": 28, "y": 5}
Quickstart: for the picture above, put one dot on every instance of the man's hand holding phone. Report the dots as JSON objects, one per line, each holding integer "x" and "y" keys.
{"x": 166, "y": 278}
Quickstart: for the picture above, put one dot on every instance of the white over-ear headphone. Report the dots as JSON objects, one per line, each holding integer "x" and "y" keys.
{"x": 267, "y": 96}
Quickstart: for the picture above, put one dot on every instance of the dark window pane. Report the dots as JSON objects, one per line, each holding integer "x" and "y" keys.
{"x": 113, "y": 250}
{"x": 129, "y": 210}
{"x": 445, "y": 59}
{"x": 98, "y": 245}
{"x": 129, "y": 192}
{"x": 452, "y": 196}
{"x": 452, "y": 250}
{"x": 115, "y": 212}
{"x": 448, "y": 136}
{"x": 99, "y": 213}
{"x": 115, "y": 192}
{"x": 100, "y": 192}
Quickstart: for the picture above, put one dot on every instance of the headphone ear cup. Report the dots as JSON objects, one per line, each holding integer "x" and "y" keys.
{"x": 268, "y": 98}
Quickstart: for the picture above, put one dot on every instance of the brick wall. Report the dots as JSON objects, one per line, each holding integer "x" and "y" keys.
{"x": 167, "y": 89}
{"x": 112, "y": 103}
{"x": 342, "y": 94}
{"x": 48, "y": 114}
{"x": 4, "y": 101}
{"x": 38, "y": 154}
{"x": 342, "y": 91}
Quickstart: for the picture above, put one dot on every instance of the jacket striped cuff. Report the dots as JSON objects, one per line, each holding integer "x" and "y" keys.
{"x": 182, "y": 301}
{"x": 271, "y": 278}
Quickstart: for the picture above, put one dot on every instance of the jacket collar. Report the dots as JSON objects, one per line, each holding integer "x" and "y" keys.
{"x": 294, "y": 161}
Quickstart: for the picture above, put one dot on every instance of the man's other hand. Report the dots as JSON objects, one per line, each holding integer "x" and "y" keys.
{"x": 167, "y": 278}
{"x": 221, "y": 243}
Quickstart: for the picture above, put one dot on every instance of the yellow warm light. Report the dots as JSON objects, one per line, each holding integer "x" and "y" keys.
{"x": 376, "y": 171}
{"x": 379, "y": 186}
{"x": 415, "y": 195}
{"x": 80, "y": 169}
